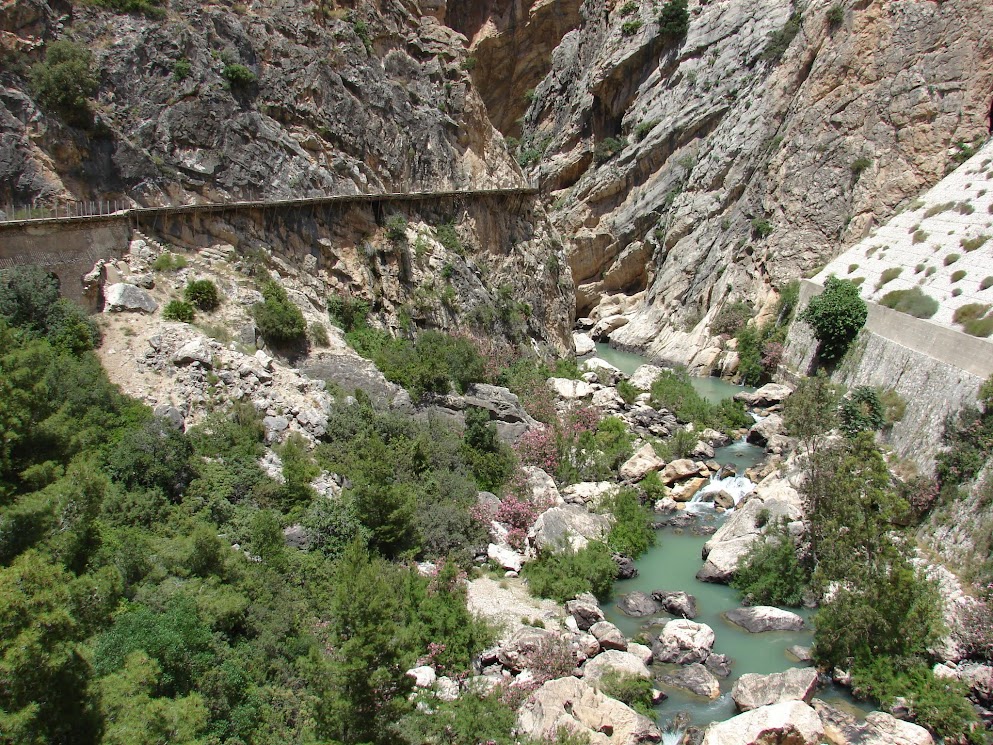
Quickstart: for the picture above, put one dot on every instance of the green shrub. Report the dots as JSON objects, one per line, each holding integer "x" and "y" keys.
{"x": 731, "y": 318}
{"x": 852, "y": 268}
{"x": 958, "y": 275}
{"x": 673, "y": 391}
{"x": 149, "y": 8}
{"x": 951, "y": 259}
{"x": 937, "y": 209}
{"x": 317, "y": 333}
{"x": 964, "y": 208}
{"x": 894, "y": 406}
{"x": 628, "y": 8}
{"x": 627, "y": 392}
{"x": 912, "y": 302}
{"x": 66, "y": 80}
{"x": 919, "y": 268}
{"x": 971, "y": 244}
{"x": 861, "y": 411}
{"x": 780, "y": 40}
{"x": 674, "y": 20}
{"x": 981, "y": 327}
{"x": 449, "y": 238}
{"x": 936, "y": 703}
{"x": 859, "y": 165}
{"x": 761, "y": 228}
{"x": 919, "y": 236}
{"x": 930, "y": 270}
{"x": 396, "y": 228}
{"x": 630, "y": 28}
{"x": 770, "y": 572}
{"x": 970, "y": 312}
{"x": 888, "y": 275}
{"x": 632, "y": 533}
{"x": 644, "y": 128}
{"x": 348, "y": 314}
{"x": 181, "y": 70}
{"x": 203, "y": 294}
{"x": 986, "y": 284}
{"x": 632, "y": 690}
{"x": 239, "y": 76}
{"x": 29, "y": 299}
{"x": 433, "y": 363}
{"x": 607, "y": 148}
{"x": 278, "y": 320}
{"x": 169, "y": 262}
{"x": 836, "y": 316}
{"x": 563, "y": 574}
{"x": 178, "y": 310}
{"x": 836, "y": 15}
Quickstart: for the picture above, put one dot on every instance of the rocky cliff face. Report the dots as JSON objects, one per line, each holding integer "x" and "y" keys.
{"x": 336, "y": 100}
{"x": 368, "y": 98}
{"x": 748, "y": 157}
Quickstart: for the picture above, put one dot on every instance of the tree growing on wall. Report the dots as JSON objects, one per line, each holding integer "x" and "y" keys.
{"x": 836, "y": 316}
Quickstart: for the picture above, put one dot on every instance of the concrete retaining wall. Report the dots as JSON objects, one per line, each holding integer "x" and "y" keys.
{"x": 936, "y": 370}
{"x": 68, "y": 250}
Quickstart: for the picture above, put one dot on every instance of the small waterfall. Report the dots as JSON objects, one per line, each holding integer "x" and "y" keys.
{"x": 672, "y": 737}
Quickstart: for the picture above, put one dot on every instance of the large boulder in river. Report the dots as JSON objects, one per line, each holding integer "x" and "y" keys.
{"x": 609, "y": 636}
{"x": 583, "y": 344}
{"x": 752, "y": 690}
{"x": 773, "y": 498}
{"x": 765, "y": 430}
{"x": 586, "y": 610}
{"x": 788, "y": 723}
{"x": 577, "y": 707}
{"x": 676, "y": 602}
{"x": 639, "y": 465}
{"x": 761, "y": 618}
{"x": 841, "y": 728}
{"x": 568, "y": 526}
{"x": 680, "y": 469}
{"x": 638, "y": 605}
{"x": 768, "y": 395}
{"x": 696, "y": 679}
{"x": 624, "y": 664}
{"x": 684, "y": 642}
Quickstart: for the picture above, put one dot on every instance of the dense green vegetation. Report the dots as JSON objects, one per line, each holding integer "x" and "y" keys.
{"x": 66, "y": 80}
{"x": 147, "y": 595}
{"x": 564, "y": 573}
{"x": 878, "y": 614}
{"x": 673, "y": 391}
{"x": 912, "y": 301}
{"x": 760, "y": 347}
{"x": 278, "y": 320}
{"x": 203, "y": 294}
{"x": 674, "y": 20}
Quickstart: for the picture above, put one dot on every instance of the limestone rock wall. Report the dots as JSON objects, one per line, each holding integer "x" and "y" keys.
{"x": 361, "y": 98}
{"x": 823, "y": 143}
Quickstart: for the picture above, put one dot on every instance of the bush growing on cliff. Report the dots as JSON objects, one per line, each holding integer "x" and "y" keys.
{"x": 674, "y": 20}
{"x": 178, "y": 310}
{"x": 861, "y": 411}
{"x": 731, "y": 318}
{"x": 66, "y": 80}
{"x": 836, "y": 316}
{"x": 607, "y": 148}
{"x": 912, "y": 302}
{"x": 278, "y": 320}
{"x": 238, "y": 76}
{"x": 780, "y": 40}
{"x": 203, "y": 294}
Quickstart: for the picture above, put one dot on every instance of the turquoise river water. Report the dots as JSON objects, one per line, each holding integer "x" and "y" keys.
{"x": 672, "y": 565}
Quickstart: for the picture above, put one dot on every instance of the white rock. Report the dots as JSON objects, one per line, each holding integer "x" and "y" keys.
{"x": 424, "y": 676}
{"x": 122, "y": 297}
{"x": 751, "y": 690}
{"x": 194, "y": 351}
{"x": 624, "y": 664}
{"x": 583, "y": 344}
{"x": 683, "y": 641}
{"x": 639, "y": 465}
{"x": 792, "y": 722}
{"x": 568, "y": 526}
{"x": 505, "y": 557}
{"x": 569, "y": 389}
{"x": 644, "y": 376}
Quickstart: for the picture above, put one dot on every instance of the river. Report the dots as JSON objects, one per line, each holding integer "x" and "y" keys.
{"x": 672, "y": 565}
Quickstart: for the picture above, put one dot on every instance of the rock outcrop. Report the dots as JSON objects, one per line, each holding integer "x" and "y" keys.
{"x": 788, "y": 723}
{"x": 684, "y": 642}
{"x": 751, "y": 690}
{"x": 760, "y": 618}
{"x": 716, "y": 168}
{"x": 578, "y": 707}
